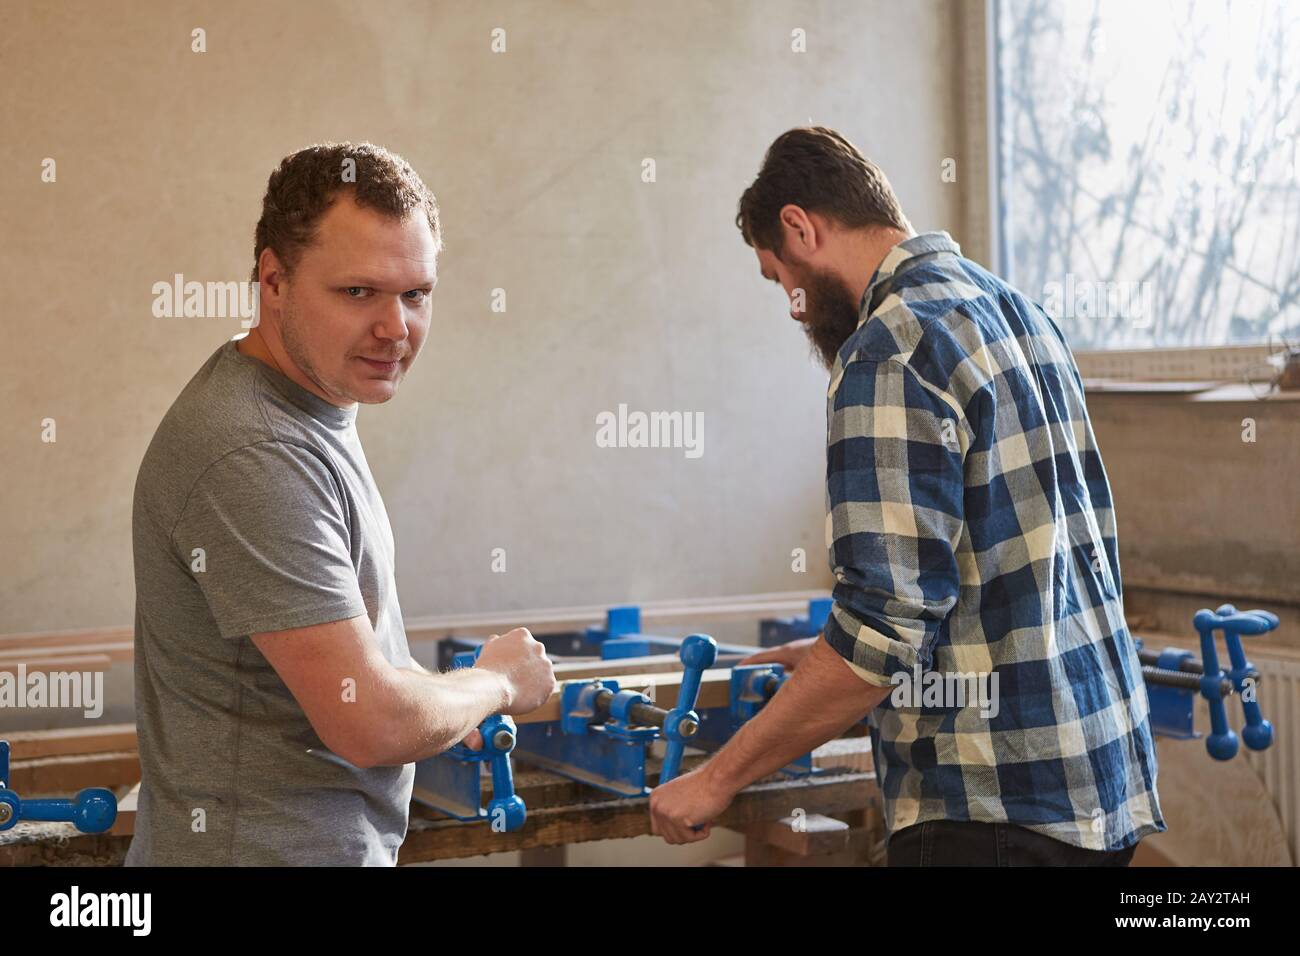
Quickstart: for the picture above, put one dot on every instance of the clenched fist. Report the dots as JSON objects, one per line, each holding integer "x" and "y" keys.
{"x": 522, "y": 663}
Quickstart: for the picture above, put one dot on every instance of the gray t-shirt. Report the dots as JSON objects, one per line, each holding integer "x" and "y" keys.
{"x": 270, "y": 481}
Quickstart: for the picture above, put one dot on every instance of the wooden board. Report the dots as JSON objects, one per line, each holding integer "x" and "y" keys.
{"x": 652, "y": 664}
{"x": 65, "y": 775}
{"x": 803, "y": 835}
{"x": 27, "y": 744}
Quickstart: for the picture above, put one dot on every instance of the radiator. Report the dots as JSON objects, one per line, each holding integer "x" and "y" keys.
{"x": 1279, "y": 765}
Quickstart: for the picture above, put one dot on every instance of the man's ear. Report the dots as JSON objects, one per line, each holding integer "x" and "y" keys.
{"x": 792, "y": 220}
{"x": 800, "y": 229}
{"x": 271, "y": 272}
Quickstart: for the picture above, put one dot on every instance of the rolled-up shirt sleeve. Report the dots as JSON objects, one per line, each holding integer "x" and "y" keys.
{"x": 896, "y": 446}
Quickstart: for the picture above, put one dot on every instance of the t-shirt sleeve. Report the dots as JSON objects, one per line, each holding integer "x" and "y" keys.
{"x": 265, "y": 534}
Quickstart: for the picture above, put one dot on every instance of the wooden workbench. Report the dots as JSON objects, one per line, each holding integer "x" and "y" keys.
{"x": 560, "y": 811}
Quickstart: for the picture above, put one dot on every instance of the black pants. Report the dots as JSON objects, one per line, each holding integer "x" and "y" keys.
{"x": 962, "y": 843}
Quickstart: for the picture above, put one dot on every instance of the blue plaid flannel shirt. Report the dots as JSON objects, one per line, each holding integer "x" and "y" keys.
{"x": 971, "y": 532}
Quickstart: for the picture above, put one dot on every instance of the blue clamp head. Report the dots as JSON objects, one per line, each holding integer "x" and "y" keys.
{"x": 752, "y": 686}
{"x": 621, "y": 724}
{"x": 92, "y": 810}
{"x": 578, "y": 704}
{"x": 1258, "y": 732}
{"x": 622, "y": 621}
{"x": 773, "y": 632}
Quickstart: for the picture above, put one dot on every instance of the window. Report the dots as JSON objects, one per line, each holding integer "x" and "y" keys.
{"x": 1149, "y": 168}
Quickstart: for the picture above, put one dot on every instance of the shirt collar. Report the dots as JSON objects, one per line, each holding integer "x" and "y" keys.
{"x": 899, "y": 259}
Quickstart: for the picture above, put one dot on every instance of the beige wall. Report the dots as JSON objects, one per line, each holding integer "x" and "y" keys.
{"x": 618, "y": 290}
{"x": 1205, "y": 518}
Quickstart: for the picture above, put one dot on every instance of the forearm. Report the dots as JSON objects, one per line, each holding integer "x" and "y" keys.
{"x": 426, "y": 713}
{"x": 821, "y": 700}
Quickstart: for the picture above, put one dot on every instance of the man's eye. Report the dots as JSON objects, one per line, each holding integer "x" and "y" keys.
{"x": 350, "y": 290}
{"x": 419, "y": 295}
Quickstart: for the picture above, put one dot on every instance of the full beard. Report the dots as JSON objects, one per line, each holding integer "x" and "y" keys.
{"x": 831, "y": 315}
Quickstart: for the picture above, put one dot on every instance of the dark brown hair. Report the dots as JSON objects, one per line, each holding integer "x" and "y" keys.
{"x": 307, "y": 182}
{"x": 818, "y": 170}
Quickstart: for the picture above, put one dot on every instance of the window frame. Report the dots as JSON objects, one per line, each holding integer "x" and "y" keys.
{"x": 987, "y": 213}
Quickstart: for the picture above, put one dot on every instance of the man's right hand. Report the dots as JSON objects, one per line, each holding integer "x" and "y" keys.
{"x": 788, "y": 655}
{"x": 525, "y": 669}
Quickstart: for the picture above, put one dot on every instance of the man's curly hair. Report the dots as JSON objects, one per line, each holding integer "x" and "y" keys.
{"x": 306, "y": 183}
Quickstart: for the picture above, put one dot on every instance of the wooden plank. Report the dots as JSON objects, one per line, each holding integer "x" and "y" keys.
{"x": 652, "y": 664}
{"x": 67, "y": 774}
{"x": 1122, "y": 385}
{"x": 802, "y": 834}
{"x": 864, "y": 842}
{"x": 862, "y": 848}
{"x": 28, "y": 744}
{"x": 845, "y": 753}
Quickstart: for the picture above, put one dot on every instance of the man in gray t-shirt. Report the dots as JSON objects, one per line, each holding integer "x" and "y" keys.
{"x": 279, "y": 712}
{"x": 255, "y": 511}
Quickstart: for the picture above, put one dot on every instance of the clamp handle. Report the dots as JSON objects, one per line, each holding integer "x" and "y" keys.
{"x": 1258, "y": 732}
{"x": 506, "y": 806}
{"x": 698, "y": 653}
{"x": 93, "y": 810}
{"x": 506, "y": 810}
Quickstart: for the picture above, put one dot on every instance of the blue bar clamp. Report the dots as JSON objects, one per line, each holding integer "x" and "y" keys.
{"x": 452, "y": 781}
{"x": 93, "y": 810}
{"x": 604, "y": 734}
{"x": 1174, "y": 678}
{"x": 752, "y": 686}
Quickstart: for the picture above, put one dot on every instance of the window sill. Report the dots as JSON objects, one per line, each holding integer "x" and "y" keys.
{"x": 1189, "y": 391}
